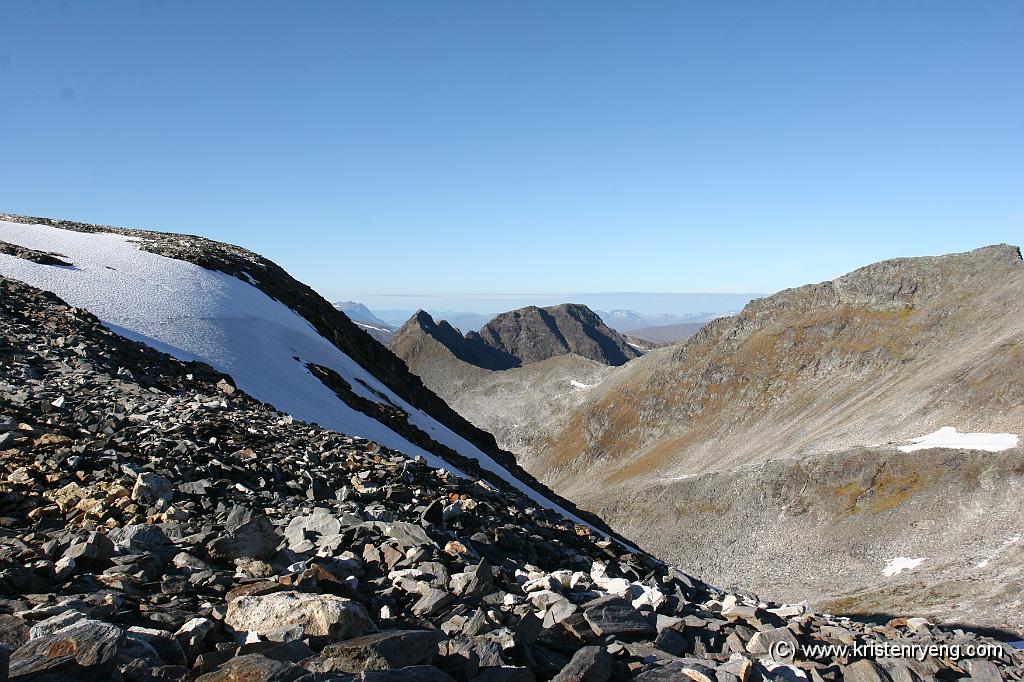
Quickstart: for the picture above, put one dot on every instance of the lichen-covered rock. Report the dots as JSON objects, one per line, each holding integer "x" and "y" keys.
{"x": 318, "y": 615}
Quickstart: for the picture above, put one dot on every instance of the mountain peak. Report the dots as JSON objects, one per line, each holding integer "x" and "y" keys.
{"x": 532, "y": 334}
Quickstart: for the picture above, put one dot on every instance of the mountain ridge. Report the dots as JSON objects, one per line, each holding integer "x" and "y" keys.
{"x": 332, "y": 325}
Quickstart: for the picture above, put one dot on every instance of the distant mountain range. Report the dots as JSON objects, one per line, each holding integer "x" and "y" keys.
{"x": 367, "y": 321}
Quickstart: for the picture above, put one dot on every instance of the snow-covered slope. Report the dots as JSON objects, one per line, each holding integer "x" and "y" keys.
{"x": 198, "y": 314}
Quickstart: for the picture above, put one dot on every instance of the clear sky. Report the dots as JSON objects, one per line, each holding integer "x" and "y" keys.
{"x": 532, "y": 146}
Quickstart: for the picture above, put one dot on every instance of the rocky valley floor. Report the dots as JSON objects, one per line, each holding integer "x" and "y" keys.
{"x": 158, "y": 524}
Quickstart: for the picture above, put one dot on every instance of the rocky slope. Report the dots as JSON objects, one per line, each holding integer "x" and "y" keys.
{"x": 160, "y": 524}
{"x": 885, "y": 354}
{"x": 279, "y": 340}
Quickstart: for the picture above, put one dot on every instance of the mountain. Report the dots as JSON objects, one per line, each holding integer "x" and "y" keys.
{"x": 521, "y": 337}
{"x": 161, "y": 524}
{"x": 533, "y": 334}
{"x": 631, "y": 320}
{"x": 785, "y": 397}
{"x": 669, "y": 333}
{"x": 278, "y": 340}
{"x": 367, "y": 321}
{"x": 519, "y": 405}
{"x": 462, "y": 320}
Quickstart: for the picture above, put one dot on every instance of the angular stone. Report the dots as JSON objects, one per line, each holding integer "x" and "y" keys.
{"x": 768, "y": 641}
{"x": 163, "y": 642}
{"x": 86, "y": 650}
{"x": 589, "y": 664}
{"x": 865, "y": 670}
{"x": 14, "y": 631}
{"x": 319, "y": 523}
{"x": 432, "y": 602}
{"x": 384, "y": 650}
{"x": 616, "y": 617}
{"x": 151, "y": 488}
{"x": 320, "y": 615}
{"x": 255, "y": 539}
{"x": 254, "y": 668}
{"x": 983, "y": 670}
{"x": 143, "y": 538}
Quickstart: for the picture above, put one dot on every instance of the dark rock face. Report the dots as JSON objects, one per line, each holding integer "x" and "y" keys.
{"x": 521, "y": 337}
{"x": 533, "y": 334}
{"x": 492, "y": 588}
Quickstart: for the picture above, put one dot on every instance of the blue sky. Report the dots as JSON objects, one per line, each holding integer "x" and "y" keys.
{"x": 481, "y": 148}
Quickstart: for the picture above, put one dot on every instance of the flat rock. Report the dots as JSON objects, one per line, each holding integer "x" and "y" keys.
{"x": 384, "y": 650}
{"x": 616, "y": 617}
{"x": 254, "y": 668}
{"x": 320, "y": 615}
{"x": 87, "y": 649}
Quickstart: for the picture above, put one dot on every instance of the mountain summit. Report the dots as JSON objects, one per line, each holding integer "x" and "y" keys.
{"x": 522, "y": 337}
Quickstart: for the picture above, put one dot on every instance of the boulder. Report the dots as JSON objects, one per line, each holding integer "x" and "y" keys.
{"x": 85, "y": 650}
{"x": 384, "y": 650}
{"x": 319, "y": 615}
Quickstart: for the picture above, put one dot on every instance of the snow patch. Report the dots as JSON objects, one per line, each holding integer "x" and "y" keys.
{"x": 578, "y": 384}
{"x": 900, "y": 564}
{"x": 949, "y": 437}
{"x": 197, "y": 314}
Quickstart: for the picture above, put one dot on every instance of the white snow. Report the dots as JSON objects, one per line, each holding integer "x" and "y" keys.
{"x": 198, "y": 314}
{"x": 639, "y": 348}
{"x": 579, "y": 384}
{"x": 370, "y": 326}
{"x": 949, "y": 437}
{"x": 900, "y": 564}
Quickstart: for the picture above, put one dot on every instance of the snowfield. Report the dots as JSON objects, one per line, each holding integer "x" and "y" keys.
{"x": 197, "y": 314}
{"x": 900, "y": 564}
{"x": 949, "y": 437}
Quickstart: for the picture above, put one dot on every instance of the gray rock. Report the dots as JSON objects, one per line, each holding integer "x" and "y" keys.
{"x": 616, "y": 617}
{"x": 143, "y": 538}
{"x": 983, "y": 670}
{"x": 14, "y": 631}
{"x": 589, "y": 664}
{"x": 86, "y": 650}
{"x": 432, "y": 602}
{"x": 384, "y": 650}
{"x": 254, "y": 668}
{"x": 151, "y": 488}
{"x": 56, "y": 622}
{"x": 763, "y": 641}
{"x": 254, "y": 539}
{"x": 163, "y": 642}
{"x": 865, "y": 670}
{"x": 320, "y": 615}
{"x": 408, "y": 534}
{"x": 319, "y": 523}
